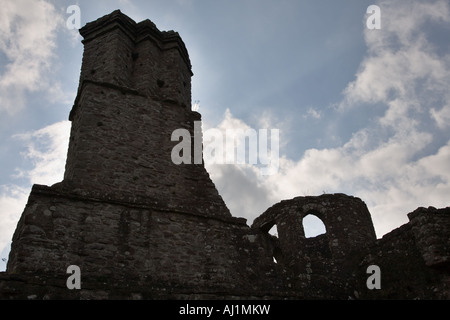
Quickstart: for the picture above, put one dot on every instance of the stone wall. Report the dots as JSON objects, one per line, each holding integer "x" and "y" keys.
{"x": 414, "y": 258}
{"x": 175, "y": 253}
{"x": 328, "y": 260}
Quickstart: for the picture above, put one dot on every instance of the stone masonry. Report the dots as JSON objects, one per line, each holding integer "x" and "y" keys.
{"x": 141, "y": 227}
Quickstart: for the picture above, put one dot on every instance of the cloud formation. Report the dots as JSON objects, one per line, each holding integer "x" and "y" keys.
{"x": 389, "y": 163}
{"x": 27, "y": 42}
{"x": 46, "y": 150}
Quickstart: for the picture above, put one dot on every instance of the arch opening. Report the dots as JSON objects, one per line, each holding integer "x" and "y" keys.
{"x": 273, "y": 231}
{"x": 277, "y": 255}
{"x": 313, "y": 226}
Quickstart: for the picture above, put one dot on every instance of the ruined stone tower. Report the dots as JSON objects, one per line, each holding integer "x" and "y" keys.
{"x": 135, "y": 90}
{"x": 141, "y": 227}
{"x": 124, "y": 210}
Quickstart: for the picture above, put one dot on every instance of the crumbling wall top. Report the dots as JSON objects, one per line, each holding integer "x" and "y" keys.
{"x": 347, "y": 221}
{"x": 431, "y": 229}
{"x": 136, "y": 31}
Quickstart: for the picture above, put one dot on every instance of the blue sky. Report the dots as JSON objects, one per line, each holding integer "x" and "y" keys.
{"x": 362, "y": 112}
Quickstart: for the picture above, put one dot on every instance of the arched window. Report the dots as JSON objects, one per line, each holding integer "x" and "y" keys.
{"x": 274, "y": 231}
{"x": 277, "y": 255}
{"x": 313, "y": 226}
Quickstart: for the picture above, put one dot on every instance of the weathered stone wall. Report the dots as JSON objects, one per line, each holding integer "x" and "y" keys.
{"x": 431, "y": 231}
{"x": 413, "y": 259}
{"x": 348, "y": 228}
{"x": 125, "y": 242}
{"x": 328, "y": 260}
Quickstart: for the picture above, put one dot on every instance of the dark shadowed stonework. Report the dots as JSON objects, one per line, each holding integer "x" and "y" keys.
{"x": 141, "y": 227}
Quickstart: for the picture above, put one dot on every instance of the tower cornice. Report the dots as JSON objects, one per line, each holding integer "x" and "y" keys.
{"x": 137, "y": 32}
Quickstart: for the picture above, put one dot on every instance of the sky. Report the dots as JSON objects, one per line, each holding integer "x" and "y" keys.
{"x": 360, "y": 111}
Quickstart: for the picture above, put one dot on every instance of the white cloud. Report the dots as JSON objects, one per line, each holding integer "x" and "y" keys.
{"x": 312, "y": 113}
{"x": 47, "y": 151}
{"x": 442, "y": 116}
{"x": 386, "y": 177}
{"x": 125, "y": 2}
{"x": 239, "y": 184}
{"x": 28, "y": 40}
{"x": 240, "y": 187}
{"x": 402, "y": 68}
{"x": 385, "y": 164}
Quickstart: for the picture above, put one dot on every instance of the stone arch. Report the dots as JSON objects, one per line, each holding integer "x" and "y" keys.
{"x": 347, "y": 222}
{"x": 273, "y": 236}
{"x": 312, "y": 225}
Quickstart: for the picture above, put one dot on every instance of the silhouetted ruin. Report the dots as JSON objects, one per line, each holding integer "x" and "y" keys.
{"x": 141, "y": 227}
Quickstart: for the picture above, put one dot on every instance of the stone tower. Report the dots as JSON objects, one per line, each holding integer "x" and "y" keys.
{"x": 132, "y": 220}
{"x": 135, "y": 90}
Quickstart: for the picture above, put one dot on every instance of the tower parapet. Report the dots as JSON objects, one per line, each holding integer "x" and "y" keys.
{"x": 137, "y": 56}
